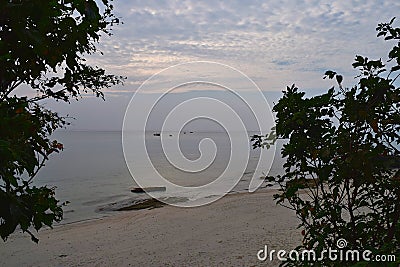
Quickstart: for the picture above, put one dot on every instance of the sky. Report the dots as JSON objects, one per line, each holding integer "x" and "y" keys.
{"x": 274, "y": 43}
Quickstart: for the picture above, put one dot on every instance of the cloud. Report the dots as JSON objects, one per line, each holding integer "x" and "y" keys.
{"x": 272, "y": 41}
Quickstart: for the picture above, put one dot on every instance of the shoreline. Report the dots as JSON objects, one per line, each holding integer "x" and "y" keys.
{"x": 228, "y": 232}
{"x": 136, "y": 204}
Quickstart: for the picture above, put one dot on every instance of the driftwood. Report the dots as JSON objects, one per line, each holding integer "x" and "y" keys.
{"x": 148, "y": 189}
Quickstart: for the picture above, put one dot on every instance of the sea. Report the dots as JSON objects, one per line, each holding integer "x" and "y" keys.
{"x": 91, "y": 172}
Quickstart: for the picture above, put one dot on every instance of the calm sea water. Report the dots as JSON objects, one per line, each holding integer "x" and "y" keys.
{"x": 91, "y": 171}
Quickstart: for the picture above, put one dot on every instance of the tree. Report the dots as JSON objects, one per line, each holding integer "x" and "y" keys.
{"x": 342, "y": 169}
{"x": 42, "y": 44}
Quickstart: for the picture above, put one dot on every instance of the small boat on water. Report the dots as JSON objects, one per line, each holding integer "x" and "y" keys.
{"x": 156, "y": 134}
{"x": 148, "y": 189}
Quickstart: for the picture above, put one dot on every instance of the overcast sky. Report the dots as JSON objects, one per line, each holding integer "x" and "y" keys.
{"x": 275, "y": 43}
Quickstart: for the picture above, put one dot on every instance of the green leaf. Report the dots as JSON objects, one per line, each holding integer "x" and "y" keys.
{"x": 339, "y": 79}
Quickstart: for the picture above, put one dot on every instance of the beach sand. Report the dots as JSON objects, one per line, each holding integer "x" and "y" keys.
{"x": 228, "y": 232}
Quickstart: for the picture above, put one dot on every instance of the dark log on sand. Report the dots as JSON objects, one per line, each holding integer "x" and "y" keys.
{"x": 148, "y": 189}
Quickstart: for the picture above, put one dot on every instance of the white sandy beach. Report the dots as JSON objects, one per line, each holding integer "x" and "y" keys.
{"x": 228, "y": 232}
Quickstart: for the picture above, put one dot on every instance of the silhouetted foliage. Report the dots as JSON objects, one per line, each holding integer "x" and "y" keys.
{"x": 42, "y": 44}
{"x": 342, "y": 174}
